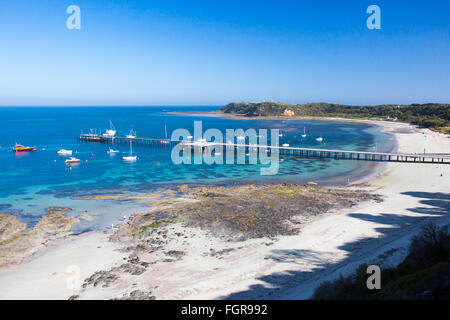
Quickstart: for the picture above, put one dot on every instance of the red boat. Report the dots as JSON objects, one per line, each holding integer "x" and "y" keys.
{"x": 73, "y": 160}
{"x": 20, "y": 148}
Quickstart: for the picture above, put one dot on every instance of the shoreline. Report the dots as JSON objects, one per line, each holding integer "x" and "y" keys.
{"x": 348, "y": 226}
{"x": 274, "y": 118}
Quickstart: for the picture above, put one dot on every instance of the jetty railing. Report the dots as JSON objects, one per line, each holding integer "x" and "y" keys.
{"x": 283, "y": 150}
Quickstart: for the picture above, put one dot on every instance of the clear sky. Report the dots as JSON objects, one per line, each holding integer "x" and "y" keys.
{"x": 169, "y": 52}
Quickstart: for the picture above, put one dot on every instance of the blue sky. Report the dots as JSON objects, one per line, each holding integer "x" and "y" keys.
{"x": 168, "y": 52}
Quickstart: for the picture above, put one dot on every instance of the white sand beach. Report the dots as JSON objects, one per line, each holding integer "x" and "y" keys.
{"x": 289, "y": 267}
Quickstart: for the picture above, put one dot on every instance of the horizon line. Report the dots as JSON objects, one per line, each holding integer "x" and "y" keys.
{"x": 200, "y": 105}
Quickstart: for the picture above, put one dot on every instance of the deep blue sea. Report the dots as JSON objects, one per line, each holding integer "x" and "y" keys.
{"x": 31, "y": 182}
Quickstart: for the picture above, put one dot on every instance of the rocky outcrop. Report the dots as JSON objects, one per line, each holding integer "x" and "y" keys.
{"x": 17, "y": 243}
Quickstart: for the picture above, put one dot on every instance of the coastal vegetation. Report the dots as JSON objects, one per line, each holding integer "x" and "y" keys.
{"x": 423, "y": 274}
{"x": 435, "y": 116}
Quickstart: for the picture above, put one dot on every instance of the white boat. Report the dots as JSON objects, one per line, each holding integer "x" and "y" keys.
{"x": 111, "y": 132}
{"x": 72, "y": 160}
{"x": 285, "y": 145}
{"x": 130, "y": 158}
{"x": 320, "y": 139}
{"x": 304, "y": 132}
{"x": 166, "y": 140}
{"x": 65, "y": 152}
{"x": 131, "y": 135}
{"x": 112, "y": 151}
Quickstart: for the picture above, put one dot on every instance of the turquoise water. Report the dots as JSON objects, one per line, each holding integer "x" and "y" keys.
{"x": 32, "y": 182}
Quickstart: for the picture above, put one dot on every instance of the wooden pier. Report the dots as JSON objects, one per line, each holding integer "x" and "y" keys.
{"x": 293, "y": 151}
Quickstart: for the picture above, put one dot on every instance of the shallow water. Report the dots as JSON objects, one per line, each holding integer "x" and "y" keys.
{"x": 33, "y": 181}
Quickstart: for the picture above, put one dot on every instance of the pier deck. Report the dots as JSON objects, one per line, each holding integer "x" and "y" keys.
{"x": 294, "y": 151}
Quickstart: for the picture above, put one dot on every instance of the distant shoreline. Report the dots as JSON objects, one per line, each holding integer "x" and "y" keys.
{"x": 278, "y": 118}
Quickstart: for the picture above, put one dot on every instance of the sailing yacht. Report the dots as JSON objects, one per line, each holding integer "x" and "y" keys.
{"x": 166, "y": 140}
{"x": 130, "y": 157}
{"x": 131, "y": 135}
{"x": 111, "y": 132}
{"x": 304, "y": 132}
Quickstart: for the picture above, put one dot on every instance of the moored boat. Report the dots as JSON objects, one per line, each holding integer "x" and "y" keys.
{"x": 166, "y": 140}
{"x": 72, "y": 160}
{"x": 65, "y": 152}
{"x": 112, "y": 151}
{"x": 304, "y": 132}
{"x": 21, "y": 148}
{"x": 130, "y": 158}
{"x": 111, "y": 132}
{"x": 131, "y": 135}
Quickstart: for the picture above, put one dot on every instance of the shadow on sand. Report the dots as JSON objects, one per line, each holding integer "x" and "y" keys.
{"x": 294, "y": 284}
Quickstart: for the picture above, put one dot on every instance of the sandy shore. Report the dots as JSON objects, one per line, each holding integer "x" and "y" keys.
{"x": 192, "y": 264}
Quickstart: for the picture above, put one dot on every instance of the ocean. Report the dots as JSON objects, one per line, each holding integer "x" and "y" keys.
{"x": 32, "y": 182}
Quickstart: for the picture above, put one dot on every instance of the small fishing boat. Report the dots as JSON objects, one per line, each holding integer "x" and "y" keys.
{"x": 112, "y": 151}
{"x": 304, "y": 132}
{"x": 65, "y": 152}
{"x": 72, "y": 160}
{"x": 130, "y": 158}
{"x": 320, "y": 139}
{"x": 21, "y": 148}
